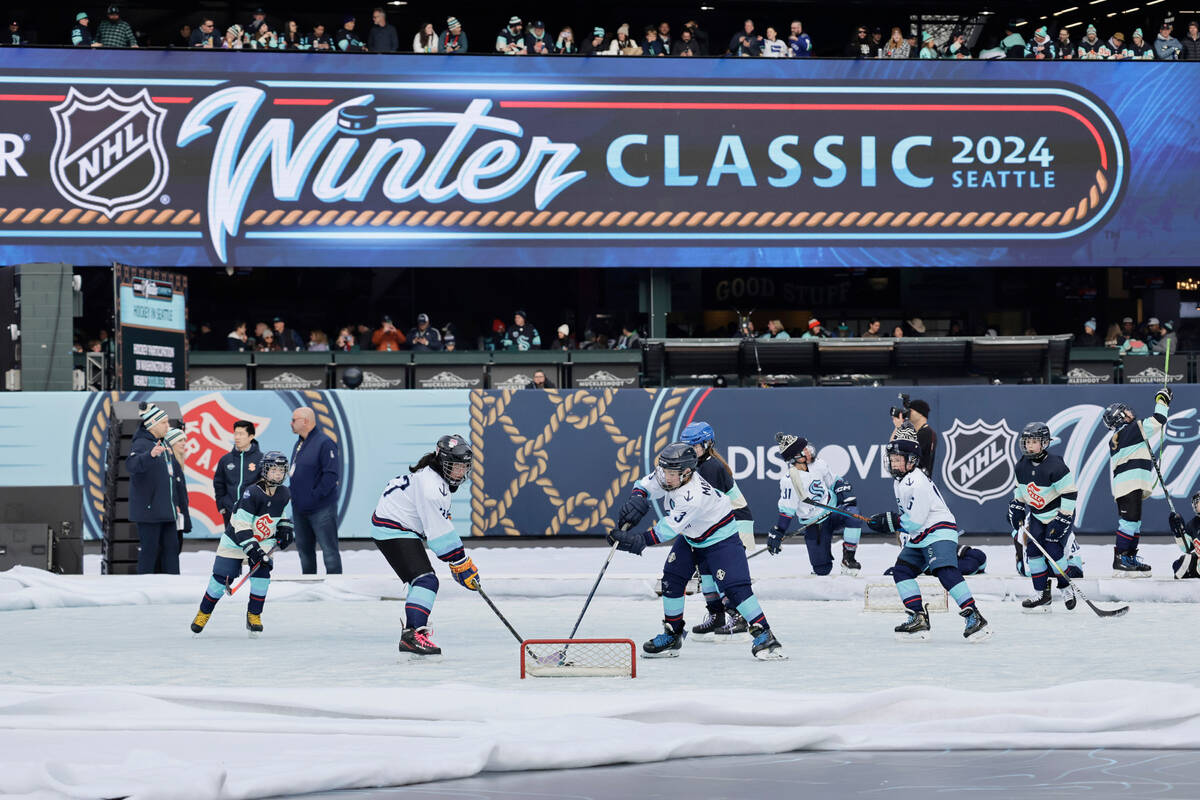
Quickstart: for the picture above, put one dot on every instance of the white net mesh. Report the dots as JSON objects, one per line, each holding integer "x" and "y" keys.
{"x": 883, "y": 597}
{"x": 578, "y": 658}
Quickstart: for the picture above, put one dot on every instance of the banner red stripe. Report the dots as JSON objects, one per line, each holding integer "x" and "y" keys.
{"x": 301, "y": 101}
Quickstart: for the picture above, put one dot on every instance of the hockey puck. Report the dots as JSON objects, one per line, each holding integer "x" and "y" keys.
{"x": 357, "y": 118}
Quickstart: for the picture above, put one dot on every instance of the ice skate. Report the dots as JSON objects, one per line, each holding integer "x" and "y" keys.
{"x": 766, "y": 647}
{"x": 706, "y": 631}
{"x": 915, "y": 628}
{"x": 977, "y": 629}
{"x": 667, "y": 644}
{"x": 200, "y": 620}
{"x": 416, "y": 644}
{"x": 850, "y": 566}
{"x": 735, "y": 629}
{"x": 1038, "y": 604}
{"x": 1070, "y": 599}
{"x": 254, "y": 624}
{"x": 1126, "y": 564}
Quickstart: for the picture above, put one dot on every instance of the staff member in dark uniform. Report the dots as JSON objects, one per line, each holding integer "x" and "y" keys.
{"x": 916, "y": 414}
{"x": 151, "y": 493}
{"x": 236, "y": 471}
{"x": 315, "y": 479}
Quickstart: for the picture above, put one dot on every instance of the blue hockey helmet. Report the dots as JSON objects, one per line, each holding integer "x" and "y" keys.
{"x": 676, "y": 457}
{"x": 1116, "y": 416}
{"x": 274, "y": 466}
{"x": 699, "y": 433}
{"x": 1035, "y": 432}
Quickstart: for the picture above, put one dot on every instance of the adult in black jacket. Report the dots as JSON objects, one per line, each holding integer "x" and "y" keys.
{"x": 382, "y": 38}
{"x": 152, "y": 506}
{"x": 236, "y": 470}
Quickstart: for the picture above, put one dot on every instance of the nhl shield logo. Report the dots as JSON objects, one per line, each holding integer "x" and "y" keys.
{"x": 979, "y": 460}
{"x": 108, "y": 154}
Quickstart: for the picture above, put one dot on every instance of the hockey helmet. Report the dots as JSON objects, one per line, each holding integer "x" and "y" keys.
{"x": 452, "y": 451}
{"x": 1195, "y": 501}
{"x": 905, "y": 444}
{"x": 1035, "y": 432}
{"x": 1116, "y": 416}
{"x": 677, "y": 457}
{"x": 791, "y": 447}
{"x": 274, "y": 466}
{"x": 699, "y": 433}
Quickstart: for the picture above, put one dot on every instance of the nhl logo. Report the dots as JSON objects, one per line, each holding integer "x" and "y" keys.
{"x": 979, "y": 460}
{"x": 108, "y": 154}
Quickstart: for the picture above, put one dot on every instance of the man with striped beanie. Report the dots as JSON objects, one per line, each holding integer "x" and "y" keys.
{"x": 152, "y": 504}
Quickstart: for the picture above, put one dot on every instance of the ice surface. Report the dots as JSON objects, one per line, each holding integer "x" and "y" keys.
{"x": 104, "y": 691}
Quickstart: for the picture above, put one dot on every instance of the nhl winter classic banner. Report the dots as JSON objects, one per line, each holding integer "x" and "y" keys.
{"x": 561, "y": 462}
{"x": 194, "y": 158}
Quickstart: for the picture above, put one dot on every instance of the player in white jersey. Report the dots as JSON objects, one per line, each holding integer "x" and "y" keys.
{"x": 808, "y": 478}
{"x": 414, "y": 511}
{"x": 701, "y": 521}
{"x": 929, "y": 540}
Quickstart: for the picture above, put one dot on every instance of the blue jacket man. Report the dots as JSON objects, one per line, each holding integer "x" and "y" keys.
{"x": 152, "y": 503}
{"x": 237, "y": 470}
{"x": 316, "y": 473}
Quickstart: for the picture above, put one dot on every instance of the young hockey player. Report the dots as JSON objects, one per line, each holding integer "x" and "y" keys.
{"x": 723, "y": 624}
{"x": 1133, "y": 477}
{"x": 258, "y": 526}
{"x": 929, "y": 540}
{"x": 1187, "y": 536}
{"x": 807, "y": 478}
{"x": 701, "y": 521}
{"x": 414, "y": 511}
{"x": 1043, "y": 507}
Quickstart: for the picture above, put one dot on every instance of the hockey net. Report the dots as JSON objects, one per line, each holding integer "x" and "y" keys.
{"x": 883, "y": 597}
{"x": 578, "y": 658}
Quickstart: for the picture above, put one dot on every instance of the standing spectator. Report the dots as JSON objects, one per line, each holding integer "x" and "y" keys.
{"x": 775, "y": 330}
{"x": 536, "y": 42}
{"x": 426, "y": 40}
{"x": 896, "y": 46}
{"x": 176, "y": 442}
{"x": 1090, "y": 45}
{"x": 152, "y": 493}
{"x": 746, "y": 43}
{"x": 1154, "y": 332}
{"x": 291, "y": 37}
{"x": 861, "y": 46}
{"x": 798, "y": 41}
{"x": 205, "y": 35}
{"x": 873, "y": 329}
{"x": 774, "y": 47}
{"x": 629, "y": 338}
{"x": 521, "y": 336}
{"x": 423, "y": 336}
{"x": 815, "y": 330}
{"x": 449, "y": 343}
{"x": 1013, "y": 43}
{"x": 687, "y": 46}
{"x": 346, "y": 39}
{"x": 539, "y": 381}
{"x": 318, "y": 40}
{"x": 257, "y": 20}
{"x": 184, "y": 39}
{"x": 622, "y": 45}
{"x": 699, "y": 36}
{"x": 288, "y": 338}
{"x": 383, "y": 38}
{"x": 315, "y": 480}
{"x": 454, "y": 40}
{"x": 346, "y": 342}
{"x": 562, "y": 339}
{"x": 386, "y": 337}
{"x": 1088, "y": 337}
{"x": 1064, "y": 48}
{"x": 235, "y": 38}
{"x": 651, "y": 46}
{"x": 236, "y": 470}
{"x": 565, "y": 46}
{"x": 928, "y": 45}
{"x": 664, "y": 38}
{"x": 318, "y": 341}
{"x": 114, "y": 31}
{"x": 1139, "y": 49}
{"x": 917, "y": 416}
{"x": 511, "y": 39}
{"x": 81, "y": 35}
{"x": 593, "y": 46}
{"x": 495, "y": 340}
{"x": 1040, "y": 48}
{"x": 236, "y": 340}
{"x": 1191, "y": 43}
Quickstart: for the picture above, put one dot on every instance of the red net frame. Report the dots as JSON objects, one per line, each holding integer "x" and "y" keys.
{"x": 578, "y": 658}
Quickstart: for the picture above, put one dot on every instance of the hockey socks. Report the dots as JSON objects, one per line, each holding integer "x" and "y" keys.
{"x": 212, "y": 594}
{"x": 258, "y": 594}
{"x": 419, "y": 603}
{"x": 1128, "y": 534}
{"x": 673, "y": 613}
{"x": 752, "y": 612}
{"x": 906, "y": 586}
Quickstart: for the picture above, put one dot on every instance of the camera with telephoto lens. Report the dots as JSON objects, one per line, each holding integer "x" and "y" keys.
{"x": 901, "y": 412}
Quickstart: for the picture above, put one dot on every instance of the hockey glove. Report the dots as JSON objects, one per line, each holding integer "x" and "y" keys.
{"x": 1058, "y": 529}
{"x": 775, "y": 540}
{"x": 284, "y": 534}
{"x": 1016, "y": 514}
{"x": 636, "y": 507}
{"x": 466, "y": 573}
{"x": 887, "y": 522}
{"x": 1179, "y": 530}
{"x": 628, "y": 541}
{"x": 254, "y": 552}
{"x": 1020, "y": 554}
{"x": 1163, "y": 396}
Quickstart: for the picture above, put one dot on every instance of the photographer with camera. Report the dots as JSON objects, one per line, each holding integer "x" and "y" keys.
{"x": 916, "y": 414}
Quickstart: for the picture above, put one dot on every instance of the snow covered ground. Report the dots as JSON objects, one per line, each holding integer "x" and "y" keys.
{"x": 104, "y": 692}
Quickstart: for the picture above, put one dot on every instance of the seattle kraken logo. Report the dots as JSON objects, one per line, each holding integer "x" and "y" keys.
{"x": 979, "y": 460}
{"x": 108, "y": 154}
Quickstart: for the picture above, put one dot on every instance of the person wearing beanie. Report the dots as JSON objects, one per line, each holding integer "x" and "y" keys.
{"x": 511, "y": 39}
{"x": 521, "y": 335}
{"x": 346, "y": 40}
{"x": 454, "y": 38}
{"x": 1167, "y": 339}
{"x": 382, "y": 38}
{"x": 81, "y": 34}
{"x": 153, "y": 505}
{"x": 928, "y": 46}
{"x": 176, "y": 440}
{"x": 1138, "y": 48}
{"x": 1090, "y": 45}
{"x": 917, "y": 417}
{"x": 1040, "y": 47}
{"x": 593, "y": 45}
{"x": 814, "y": 330}
{"x": 1088, "y": 337}
{"x": 562, "y": 339}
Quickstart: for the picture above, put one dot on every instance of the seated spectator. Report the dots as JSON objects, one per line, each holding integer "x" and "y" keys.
{"x": 1166, "y": 46}
{"x": 522, "y": 336}
{"x": 622, "y": 45}
{"x": 318, "y": 341}
{"x": 1190, "y": 43}
{"x": 873, "y": 329}
{"x": 1013, "y": 43}
{"x": 267, "y": 342}
{"x": 598, "y": 341}
{"x": 449, "y": 342}
{"x": 81, "y": 35}
{"x": 234, "y": 38}
{"x": 898, "y": 332}
{"x": 565, "y": 46}
{"x": 346, "y": 341}
{"x": 1088, "y": 337}
{"x": 236, "y": 340}
{"x": 815, "y": 331}
{"x": 746, "y": 43}
{"x": 454, "y": 39}
{"x": 916, "y": 327}
{"x": 775, "y": 330}
{"x": 629, "y": 338}
{"x": 424, "y": 337}
{"x": 928, "y": 46}
{"x": 511, "y": 39}
{"x": 1064, "y": 48}
{"x": 860, "y": 45}
{"x": 1090, "y": 45}
{"x": 539, "y": 381}
{"x": 184, "y": 39}
{"x": 1154, "y": 332}
{"x": 426, "y": 40}
{"x": 595, "y": 45}
{"x": 650, "y": 45}
{"x": 386, "y": 337}
{"x": 699, "y": 36}
{"x": 843, "y": 331}
{"x": 687, "y": 46}
{"x": 382, "y": 38}
{"x": 362, "y": 333}
{"x": 745, "y": 329}
{"x": 290, "y": 38}
{"x": 264, "y": 39}
{"x": 1114, "y": 48}
{"x": 1040, "y": 48}
{"x": 774, "y": 47}
{"x": 495, "y": 340}
{"x": 562, "y": 338}
{"x": 317, "y": 40}
{"x": 956, "y": 328}
{"x": 1128, "y": 328}
{"x": 896, "y": 46}
{"x": 1113, "y": 337}
{"x": 798, "y": 41}
{"x": 1167, "y": 340}
{"x": 664, "y": 38}
{"x": 114, "y": 31}
{"x": 346, "y": 40}
{"x": 288, "y": 339}
{"x": 93, "y": 346}
{"x": 1139, "y": 49}
{"x": 957, "y": 49}
{"x": 205, "y": 35}
{"x": 259, "y": 328}
{"x": 536, "y": 42}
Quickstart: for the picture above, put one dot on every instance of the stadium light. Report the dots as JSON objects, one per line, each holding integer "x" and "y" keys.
{"x": 1131, "y": 10}
{"x": 1073, "y": 25}
{"x": 1066, "y": 11}
{"x": 1111, "y": 14}
{"x": 1096, "y": 2}
{"x": 1154, "y": 2}
{"x": 1019, "y": 24}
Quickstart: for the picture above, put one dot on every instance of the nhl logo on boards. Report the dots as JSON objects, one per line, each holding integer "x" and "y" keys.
{"x": 979, "y": 460}
{"x": 108, "y": 152}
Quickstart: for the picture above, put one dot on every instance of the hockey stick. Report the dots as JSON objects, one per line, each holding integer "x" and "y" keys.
{"x": 1166, "y": 379}
{"x": 503, "y": 619}
{"x": 595, "y": 586}
{"x": 230, "y": 590}
{"x": 1154, "y": 461}
{"x": 1100, "y": 612}
{"x": 836, "y": 510}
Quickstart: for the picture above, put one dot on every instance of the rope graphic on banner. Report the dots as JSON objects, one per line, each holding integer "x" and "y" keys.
{"x": 78, "y": 216}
